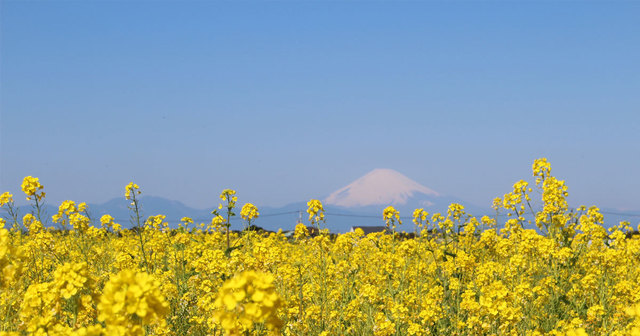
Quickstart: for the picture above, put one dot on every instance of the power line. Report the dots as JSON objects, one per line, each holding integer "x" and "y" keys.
{"x": 208, "y": 219}
{"x": 361, "y": 216}
{"x": 619, "y": 214}
{"x": 351, "y": 215}
{"x": 279, "y": 214}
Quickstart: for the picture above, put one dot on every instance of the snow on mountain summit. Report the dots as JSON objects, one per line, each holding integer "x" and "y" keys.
{"x": 378, "y": 187}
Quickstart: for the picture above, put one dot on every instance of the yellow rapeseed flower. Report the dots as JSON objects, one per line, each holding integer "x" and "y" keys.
{"x": 70, "y": 278}
{"x": 419, "y": 217}
{"x": 31, "y": 186}
{"x": 315, "y": 211}
{"x": 245, "y": 299}
{"x": 6, "y": 198}
{"x": 106, "y": 221}
{"x": 131, "y": 295}
{"x": 131, "y": 190}
{"x": 249, "y": 212}
{"x": 391, "y": 216}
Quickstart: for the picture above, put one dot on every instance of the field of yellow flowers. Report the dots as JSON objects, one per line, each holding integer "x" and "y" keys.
{"x": 459, "y": 275}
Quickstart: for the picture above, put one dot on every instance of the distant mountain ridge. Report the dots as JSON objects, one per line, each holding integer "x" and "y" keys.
{"x": 361, "y": 202}
{"x": 118, "y": 208}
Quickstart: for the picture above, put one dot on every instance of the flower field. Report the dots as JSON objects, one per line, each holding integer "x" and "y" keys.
{"x": 457, "y": 275}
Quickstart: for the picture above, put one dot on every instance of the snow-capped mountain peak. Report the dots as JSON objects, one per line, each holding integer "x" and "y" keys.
{"x": 378, "y": 187}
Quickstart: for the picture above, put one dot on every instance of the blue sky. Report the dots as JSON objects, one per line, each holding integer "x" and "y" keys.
{"x": 285, "y": 101}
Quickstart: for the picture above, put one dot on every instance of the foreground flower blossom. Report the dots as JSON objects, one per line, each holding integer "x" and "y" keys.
{"x": 130, "y": 300}
{"x": 246, "y": 299}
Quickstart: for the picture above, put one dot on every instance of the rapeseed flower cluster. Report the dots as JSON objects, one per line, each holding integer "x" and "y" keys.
{"x": 246, "y": 299}
{"x": 391, "y": 217}
{"x": 536, "y": 268}
{"x": 70, "y": 278}
{"x": 316, "y": 212}
{"x": 420, "y": 218}
{"x": 131, "y": 300}
{"x": 131, "y": 190}
{"x": 6, "y": 198}
{"x": 107, "y": 222}
{"x": 32, "y": 188}
{"x": 249, "y": 213}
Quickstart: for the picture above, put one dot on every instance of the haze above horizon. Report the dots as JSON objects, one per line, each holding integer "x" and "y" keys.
{"x": 289, "y": 101}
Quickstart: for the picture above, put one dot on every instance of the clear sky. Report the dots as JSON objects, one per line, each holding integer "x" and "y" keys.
{"x": 285, "y": 101}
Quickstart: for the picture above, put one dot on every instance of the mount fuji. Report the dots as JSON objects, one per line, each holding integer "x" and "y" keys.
{"x": 362, "y": 201}
{"x": 380, "y": 188}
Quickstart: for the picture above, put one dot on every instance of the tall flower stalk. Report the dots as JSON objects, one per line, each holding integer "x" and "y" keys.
{"x": 33, "y": 189}
{"x": 229, "y": 197}
{"x": 132, "y": 191}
